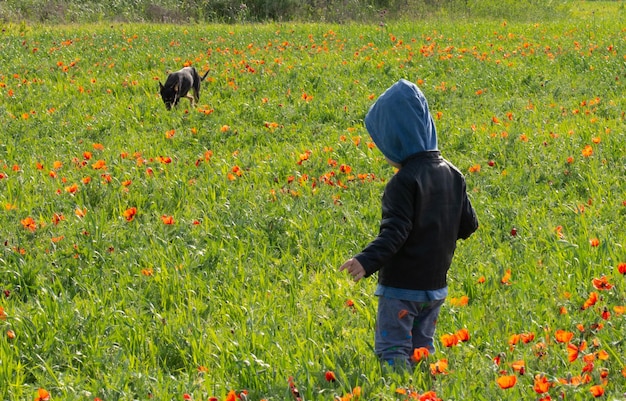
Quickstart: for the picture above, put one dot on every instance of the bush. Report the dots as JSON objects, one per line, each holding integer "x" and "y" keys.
{"x": 233, "y": 11}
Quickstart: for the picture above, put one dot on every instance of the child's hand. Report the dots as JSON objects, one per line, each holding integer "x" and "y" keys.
{"x": 355, "y": 269}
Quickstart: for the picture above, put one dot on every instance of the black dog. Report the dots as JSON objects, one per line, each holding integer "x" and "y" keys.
{"x": 178, "y": 85}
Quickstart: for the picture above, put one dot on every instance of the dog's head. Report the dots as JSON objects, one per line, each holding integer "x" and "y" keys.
{"x": 169, "y": 94}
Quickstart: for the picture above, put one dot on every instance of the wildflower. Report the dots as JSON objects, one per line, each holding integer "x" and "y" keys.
{"x": 419, "y": 354}
{"x": 587, "y": 151}
{"x": 593, "y": 298}
{"x": 621, "y": 267}
{"x": 506, "y": 278}
{"x": 168, "y": 220}
{"x": 573, "y": 351}
{"x": 3, "y": 314}
{"x": 57, "y": 218}
{"x": 42, "y": 395}
{"x": 29, "y": 224}
{"x": 602, "y": 283}
{"x": 461, "y": 301}
{"x": 594, "y": 242}
{"x": 80, "y": 212}
{"x": 563, "y": 336}
{"x": 519, "y": 366}
{"x": 542, "y": 384}
{"x": 99, "y": 165}
{"x": 506, "y": 381}
{"x": 475, "y": 168}
{"x": 463, "y": 335}
{"x": 224, "y": 128}
{"x": 330, "y": 376}
{"x": 72, "y": 189}
{"x": 449, "y": 340}
{"x": 10, "y": 334}
{"x": 439, "y": 367}
{"x": 597, "y": 390}
{"x": 129, "y": 214}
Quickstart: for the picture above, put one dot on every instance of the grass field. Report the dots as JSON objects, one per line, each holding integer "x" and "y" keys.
{"x": 193, "y": 254}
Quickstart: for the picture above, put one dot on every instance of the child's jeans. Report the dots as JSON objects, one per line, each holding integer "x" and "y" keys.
{"x": 403, "y": 326}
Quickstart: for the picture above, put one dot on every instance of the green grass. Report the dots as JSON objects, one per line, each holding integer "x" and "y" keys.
{"x": 242, "y": 291}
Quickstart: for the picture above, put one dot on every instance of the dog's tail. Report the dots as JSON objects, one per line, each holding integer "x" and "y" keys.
{"x": 204, "y": 76}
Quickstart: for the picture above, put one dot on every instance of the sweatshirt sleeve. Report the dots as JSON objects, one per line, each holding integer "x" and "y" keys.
{"x": 395, "y": 226}
{"x": 469, "y": 221}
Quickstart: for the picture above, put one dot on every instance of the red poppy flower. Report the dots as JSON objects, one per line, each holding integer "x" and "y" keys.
{"x": 330, "y": 376}
{"x": 621, "y": 267}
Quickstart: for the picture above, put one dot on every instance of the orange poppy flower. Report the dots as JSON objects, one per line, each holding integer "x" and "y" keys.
{"x": 449, "y": 340}
{"x": 542, "y": 384}
{"x": 429, "y": 396}
{"x": 527, "y": 337}
{"x": 594, "y": 242}
{"x": 603, "y": 355}
{"x": 42, "y": 395}
{"x": 439, "y": 367}
{"x": 461, "y": 301}
{"x": 506, "y": 381}
{"x": 506, "y": 278}
{"x": 602, "y": 283}
{"x": 3, "y": 314}
{"x": 587, "y": 151}
{"x": 563, "y": 336}
{"x": 419, "y": 354}
{"x": 463, "y": 335}
{"x": 572, "y": 352}
{"x": 80, "y": 212}
{"x": 593, "y": 298}
{"x": 129, "y": 214}
{"x": 99, "y": 165}
{"x": 619, "y": 309}
{"x": 597, "y": 390}
{"x": 519, "y": 366}
{"x": 169, "y": 220}
{"x": 29, "y": 224}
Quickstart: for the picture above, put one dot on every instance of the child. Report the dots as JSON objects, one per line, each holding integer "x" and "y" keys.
{"x": 425, "y": 209}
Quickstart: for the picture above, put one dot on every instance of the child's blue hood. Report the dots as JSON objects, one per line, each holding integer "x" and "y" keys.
{"x": 400, "y": 122}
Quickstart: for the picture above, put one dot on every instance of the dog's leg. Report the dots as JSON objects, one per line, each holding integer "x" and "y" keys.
{"x": 191, "y": 99}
